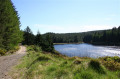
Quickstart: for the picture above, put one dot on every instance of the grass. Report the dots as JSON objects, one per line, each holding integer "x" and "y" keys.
{"x": 4, "y": 52}
{"x": 39, "y": 65}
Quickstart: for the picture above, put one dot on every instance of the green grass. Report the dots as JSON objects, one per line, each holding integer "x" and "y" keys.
{"x": 4, "y": 52}
{"x": 39, "y": 65}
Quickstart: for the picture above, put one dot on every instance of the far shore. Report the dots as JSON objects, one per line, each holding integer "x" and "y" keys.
{"x": 67, "y": 43}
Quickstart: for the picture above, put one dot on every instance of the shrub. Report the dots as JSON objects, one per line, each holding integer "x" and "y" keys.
{"x": 16, "y": 48}
{"x": 2, "y": 51}
{"x": 51, "y": 69}
{"x": 111, "y": 65}
{"x": 12, "y": 51}
{"x": 77, "y": 62}
{"x": 37, "y": 48}
{"x": 61, "y": 72}
{"x": 34, "y": 48}
{"x": 63, "y": 64}
{"x": 83, "y": 75}
{"x": 95, "y": 64}
{"x": 116, "y": 59}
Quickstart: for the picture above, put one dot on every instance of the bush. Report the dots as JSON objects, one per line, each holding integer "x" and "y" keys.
{"x": 2, "y": 52}
{"x": 61, "y": 72}
{"x": 111, "y": 65}
{"x": 95, "y": 64}
{"x": 83, "y": 75}
{"x": 77, "y": 62}
{"x": 115, "y": 58}
{"x": 34, "y": 48}
{"x": 16, "y": 48}
{"x": 12, "y": 51}
{"x": 37, "y": 48}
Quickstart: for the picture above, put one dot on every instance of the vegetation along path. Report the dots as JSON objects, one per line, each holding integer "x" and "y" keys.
{"x": 6, "y": 62}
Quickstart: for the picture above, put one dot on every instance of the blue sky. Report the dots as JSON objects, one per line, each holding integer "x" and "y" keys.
{"x": 64, "y": 16}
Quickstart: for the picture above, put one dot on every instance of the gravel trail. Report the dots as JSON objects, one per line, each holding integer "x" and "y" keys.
{"x": 7, "y": 62}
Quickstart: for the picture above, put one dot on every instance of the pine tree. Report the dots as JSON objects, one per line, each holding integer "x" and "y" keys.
{"x": 28, "y": 37}
{"x": 75, "y": 39}
{"x": 10, "y": 34}
{"x": 47, "y": 44}
{"x": 38, "y": 39}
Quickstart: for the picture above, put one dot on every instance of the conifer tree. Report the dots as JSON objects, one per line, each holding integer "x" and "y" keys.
{"x": 38, "y": 39}
{"x": 28, "y": 37}
{"x": 10, "y": 34}
{"x": 47, "y": 44}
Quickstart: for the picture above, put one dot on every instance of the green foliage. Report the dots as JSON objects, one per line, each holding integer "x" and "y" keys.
{"x": 48, "y": 44}
{"x": 111, "y": 63}
{"x": 107, "y": 37}
{"x": 39, "y": 65}
{"x": 34, "y": 48}
{"x": 72, "y": 37}
{"x": 95, "y": 64}
{"x": 28, "y": 37}
{"x": 45, "y": 43}
{"x": 38, "y": 39}
{"x": 77, "y": 62}
{"x": 16, "y": 48}
{"x": 10, "y": 34}
{"x": 2, "y": 51}
{"x": 83, "y": 75}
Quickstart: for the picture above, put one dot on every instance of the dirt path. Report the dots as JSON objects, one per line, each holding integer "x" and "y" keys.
{"x": 6, "y": 62}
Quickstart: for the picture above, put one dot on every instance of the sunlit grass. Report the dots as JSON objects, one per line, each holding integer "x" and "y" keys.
{"x": 39, "y": 65}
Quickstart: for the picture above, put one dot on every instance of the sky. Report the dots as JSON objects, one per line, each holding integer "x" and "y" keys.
{"x": 66, "y": 16}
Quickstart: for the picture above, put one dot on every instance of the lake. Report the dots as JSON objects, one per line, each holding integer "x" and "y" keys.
{"x": 87, "y": 50}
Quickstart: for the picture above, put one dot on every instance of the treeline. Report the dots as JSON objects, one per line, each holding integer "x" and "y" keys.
{"x": 107, "y": 37}
{"x": 10, "y": 34}
{"x": 45, "y": 42}
{"x": 65, "y": 38}
{"x": 70, "y": 37}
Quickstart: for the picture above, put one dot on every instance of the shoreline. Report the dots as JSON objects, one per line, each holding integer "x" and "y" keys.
{"x": 94, "y": 43}
{"x": 67, "y": 43}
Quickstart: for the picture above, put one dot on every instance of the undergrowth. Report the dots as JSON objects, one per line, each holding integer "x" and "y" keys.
{"x": 39, "y": 65}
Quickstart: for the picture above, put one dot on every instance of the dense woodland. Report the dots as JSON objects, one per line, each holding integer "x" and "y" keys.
{"x": 107, "y": 37}
{"x": 70, "y": 37}
{"x": 10, "y": 34}
{"x": 44, "y": 42}
{"x": 36, "y": 64}
{"x": 103, "y": 37}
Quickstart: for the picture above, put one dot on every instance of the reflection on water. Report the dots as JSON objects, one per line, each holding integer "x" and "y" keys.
{"x": 87, "y": 50}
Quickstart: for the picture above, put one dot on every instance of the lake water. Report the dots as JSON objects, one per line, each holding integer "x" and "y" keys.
{"x": 87, "y": 50}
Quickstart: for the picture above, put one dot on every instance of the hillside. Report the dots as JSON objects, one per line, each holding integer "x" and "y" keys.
{"x": 41, "y": 65}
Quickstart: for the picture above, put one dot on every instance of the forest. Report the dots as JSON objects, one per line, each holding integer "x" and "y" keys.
{"x": 100, "y": 37}
{"x": 39, "y": 59}
{"x": 11, "y": 35}
{"x": 107, "y": 37}
{"x": 44, "y": 42}
{"x": 69, "y": 37}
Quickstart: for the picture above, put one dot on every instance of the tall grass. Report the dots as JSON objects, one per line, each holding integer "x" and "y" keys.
{"x": 39, "y": 65}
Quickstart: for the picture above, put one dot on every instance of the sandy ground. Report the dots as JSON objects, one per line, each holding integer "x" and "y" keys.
{"x": 7, "y": 62}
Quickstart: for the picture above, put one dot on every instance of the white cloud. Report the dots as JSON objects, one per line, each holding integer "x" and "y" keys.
{"x": 69, "y": 28}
